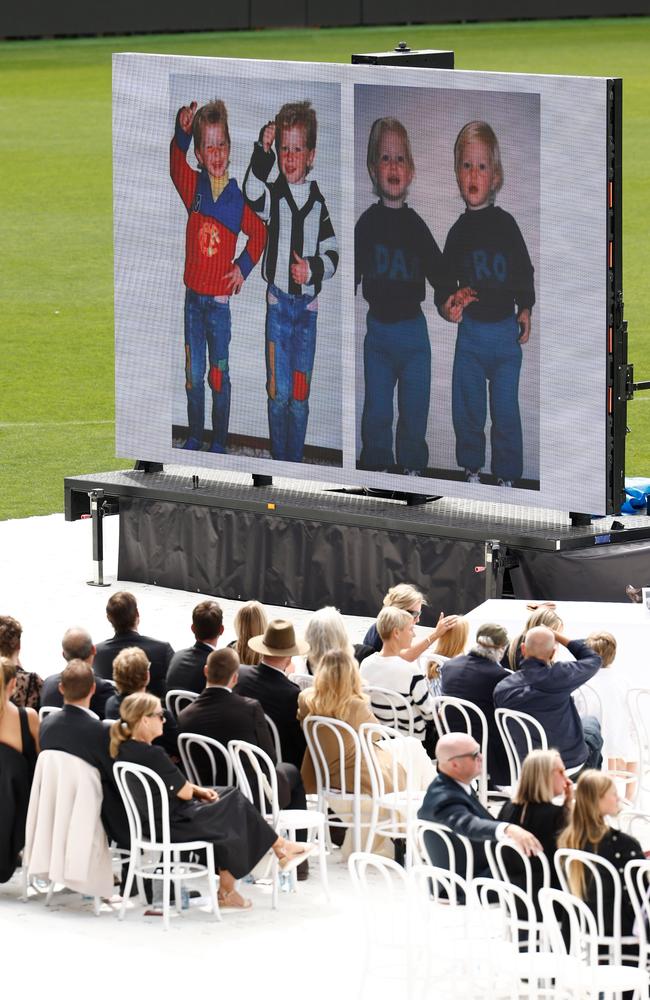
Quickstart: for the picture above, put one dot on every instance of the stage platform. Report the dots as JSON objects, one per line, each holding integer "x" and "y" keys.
{"x": 306, "y": 544}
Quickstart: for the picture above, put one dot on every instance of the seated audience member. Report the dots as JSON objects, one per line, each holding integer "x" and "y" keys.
{"x": 407, "y": 598}
{"x": 18, "y": 749}
{"x": 543, "y": 779}
{"x": 542, "y": 688}
{"x": 337, "y": 694}
{"x": 453, "y": 643}
{"x": 77, "y": 645}
{"x": 27, "y": 687}
{"x": 225, "y": 818}
{"x": 388, "y": 669}
{"x": 186, "y": 667}
{"x": 250, "y": 620}
{"x": 451, "y": 800}
{"x": 543, "y": 615}
{"x": 268, "y": 683}
{"x": 122, "y": 613}
{"x": 74, "y": 730}
{"x": 595, "y": 799}
{"x": 474, "y": 678}
{"x": 223, "y": 715}
{"x": 618, "y": 741}
{"x": 325, "y": 632}
{"x": 131, "y": 676}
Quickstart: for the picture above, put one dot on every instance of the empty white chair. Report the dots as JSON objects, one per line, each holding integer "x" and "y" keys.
{"x": 147, "y": 840}
{"x": 192, "y": 747}
{"x": 638, "y": 704}
{"x": 263, "y": 793}
{"x": 637, "y": 883}
{"x": 177, "y": 699}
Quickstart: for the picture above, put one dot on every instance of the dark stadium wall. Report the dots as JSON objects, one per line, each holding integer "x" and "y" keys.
{"x": 36, "y": 18}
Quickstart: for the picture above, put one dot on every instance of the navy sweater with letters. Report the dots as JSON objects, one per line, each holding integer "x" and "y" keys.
{"x": 394, "y": 253}
{"x": 486, "y": 251}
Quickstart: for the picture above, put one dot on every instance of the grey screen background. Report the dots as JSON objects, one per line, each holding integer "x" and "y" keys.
{"x": 569, "y": 319}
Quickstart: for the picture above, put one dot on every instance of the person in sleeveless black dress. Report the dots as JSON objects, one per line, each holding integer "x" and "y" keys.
{"x": 223, "y": 817}
{"x": 16, "y": 773}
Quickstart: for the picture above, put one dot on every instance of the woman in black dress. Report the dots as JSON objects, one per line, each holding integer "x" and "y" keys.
{"x": 241, "y": 837}
{"x": 18, "y": 749}
{"x": 543, "y": 779}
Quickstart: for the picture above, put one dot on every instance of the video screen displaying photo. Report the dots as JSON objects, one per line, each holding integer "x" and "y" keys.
{"x": 364, "y": 275}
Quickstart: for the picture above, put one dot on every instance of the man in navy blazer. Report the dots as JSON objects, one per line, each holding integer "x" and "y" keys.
{"x": 451, "y": 800}
{"x": 474, "y": 678}
{"x": 77, "y": 645}
{"x": 186, "y": 670}
{"x": 542, "y": 687}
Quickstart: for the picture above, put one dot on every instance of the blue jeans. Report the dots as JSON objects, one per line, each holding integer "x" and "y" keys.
{"x": 396, "y": 353}
{"x": 488, "y": 352}
{"x": 290, "y": 348}
{"x": 207, "y": 322}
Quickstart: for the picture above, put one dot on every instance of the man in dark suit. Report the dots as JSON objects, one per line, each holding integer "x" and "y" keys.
{"x": 269, "y": 684}
{"x": 223, "y": 715}
{"x": 77, "y": 645}
{"x": 122, "y": 613}
{"x": 474, "y": 677}
{"x": 186, "y": 667}
{"x": 451, "y": 800}
{"x": 75, "y": 731}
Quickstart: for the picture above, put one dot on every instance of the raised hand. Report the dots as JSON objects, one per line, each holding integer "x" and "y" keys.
{"x": 186, "y": 117}
{"x": 268, "y": 136}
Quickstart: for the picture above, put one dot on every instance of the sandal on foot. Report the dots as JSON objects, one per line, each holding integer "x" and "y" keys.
{"x": 233, "y": 901}
{"x": 290, "y": 861}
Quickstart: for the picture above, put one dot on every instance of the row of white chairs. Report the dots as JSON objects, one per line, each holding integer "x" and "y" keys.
{"x": 483, "y": 937}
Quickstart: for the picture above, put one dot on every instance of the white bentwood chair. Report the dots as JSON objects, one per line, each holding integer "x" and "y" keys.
{"x": 167, "y": 865}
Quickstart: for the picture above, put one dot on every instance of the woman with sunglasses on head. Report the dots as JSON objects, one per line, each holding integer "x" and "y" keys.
{"x": 239, "y": 834}
{"x": 405, "y": 597}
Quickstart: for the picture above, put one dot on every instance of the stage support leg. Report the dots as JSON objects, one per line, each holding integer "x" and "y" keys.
{"x": 96, "y": 498}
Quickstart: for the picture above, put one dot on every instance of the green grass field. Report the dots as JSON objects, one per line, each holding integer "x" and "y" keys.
{"x": 56, "y": 378}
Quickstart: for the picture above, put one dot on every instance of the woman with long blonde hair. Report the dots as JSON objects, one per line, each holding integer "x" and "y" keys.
{"x": 250, "y": 620}
{"x": 449, "y": 645}
{"x": 337, "y": 693}
{"x": 543, "y": 780}
{"x": 596, "y": 798}
{"x": 239, "y": 834}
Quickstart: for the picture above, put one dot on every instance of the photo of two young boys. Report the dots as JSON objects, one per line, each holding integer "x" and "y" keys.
{"x": 425, "y": 443}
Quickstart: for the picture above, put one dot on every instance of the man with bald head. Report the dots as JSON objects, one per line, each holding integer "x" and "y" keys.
{"x": 542, "y": 687}
{"x": 451, "y": 800}
{"x": 77, "y": 644}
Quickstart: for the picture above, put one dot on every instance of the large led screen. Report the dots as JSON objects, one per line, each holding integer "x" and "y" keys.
{"x": 364, "y": 275}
